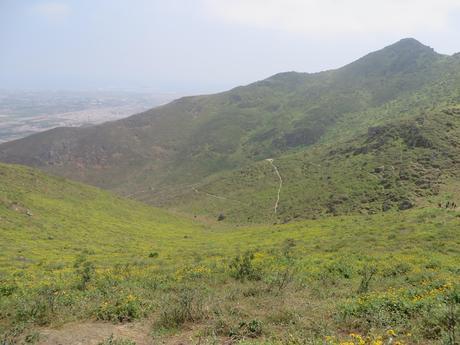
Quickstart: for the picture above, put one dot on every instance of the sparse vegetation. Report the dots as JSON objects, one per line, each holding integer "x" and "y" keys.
{"x": 317, "y": 280}
{"x": 119, "y": 341}
{"x": 370, "y": 174}
{"x": 187, "y": 305}
{"x": 378, "y": 134}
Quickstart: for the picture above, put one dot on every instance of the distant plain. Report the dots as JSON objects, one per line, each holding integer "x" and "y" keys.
{"x": 23, "y": 113}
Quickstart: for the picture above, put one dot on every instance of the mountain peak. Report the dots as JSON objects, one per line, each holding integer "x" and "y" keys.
{"x": 406, "y": 55}
{"x": 409, "y": 44}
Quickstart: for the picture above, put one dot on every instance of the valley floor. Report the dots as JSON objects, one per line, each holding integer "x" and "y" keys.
{"x": 379, "y": 279}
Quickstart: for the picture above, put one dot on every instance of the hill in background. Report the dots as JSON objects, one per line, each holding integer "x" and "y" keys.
{"x": 377, "y": 134}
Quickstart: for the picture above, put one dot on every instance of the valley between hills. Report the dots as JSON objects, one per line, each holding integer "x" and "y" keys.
{"x": 301, "y": 209}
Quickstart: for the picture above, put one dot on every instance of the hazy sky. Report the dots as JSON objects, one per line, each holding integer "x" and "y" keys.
{"x": 203, "y": 45}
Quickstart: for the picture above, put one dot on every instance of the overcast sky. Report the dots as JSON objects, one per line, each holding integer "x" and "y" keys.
{"x": 196, "y": 46}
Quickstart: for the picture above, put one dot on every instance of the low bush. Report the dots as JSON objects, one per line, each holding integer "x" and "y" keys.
{"x": 250, "y": 329}
{"x": 126, "y": 308}
{"x": 367, "y": 273}
{"x": 85, "y": 271}
{"x": 185, "y": 306}
{"x": 39, "y": 306}
{"x": 242, "y": 267}
{"x": 434, "y": 306}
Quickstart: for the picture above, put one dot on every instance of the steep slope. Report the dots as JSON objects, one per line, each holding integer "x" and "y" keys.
{"x": 49, "y": 220}
{"x": 160, "y": 155}
{"x": 397, "y": 165}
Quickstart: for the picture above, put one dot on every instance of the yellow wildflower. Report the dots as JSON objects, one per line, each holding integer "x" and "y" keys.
{"x": 391, "y": 333}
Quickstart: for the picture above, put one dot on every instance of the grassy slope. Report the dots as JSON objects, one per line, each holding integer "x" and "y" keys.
{"x": 162, "y": 152}
{"x": 416, "y": 254}
{"x": 413, "y": 160}
{"x": 52, "y": 220}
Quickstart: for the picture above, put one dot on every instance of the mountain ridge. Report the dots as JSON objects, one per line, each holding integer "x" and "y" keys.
{"x": 169, "y": 149}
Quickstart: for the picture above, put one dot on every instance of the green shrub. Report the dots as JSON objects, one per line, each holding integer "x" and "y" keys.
{"x": 123, "y": 309}
{"x": 399, "y": 269}
{"x": 364, "y": 314}
{"x": 433, "y": 305}
{"x": 39, "y": 306}
{"x": 85, "y": 271}
{"x": 242, "y": 267}
{"x": 284, "y": 268}
{"x": 251, "y": 329}
{"x": 451, "y": 317}
{"x": 254, "y": 328}
{"x": 282, "y": 276}
{"x": 7, "y": 289}
{"x": 366, "y": 276}
{"x": 340, "y": 269}
{"x": 185, "y": 306}
{"x": 287, "y": 248}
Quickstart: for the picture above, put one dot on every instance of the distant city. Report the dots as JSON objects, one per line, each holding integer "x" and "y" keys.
{"x": 27, "y": 112}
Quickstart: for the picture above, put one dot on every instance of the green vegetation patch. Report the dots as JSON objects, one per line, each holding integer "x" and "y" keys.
{"x": 71, "y": 252}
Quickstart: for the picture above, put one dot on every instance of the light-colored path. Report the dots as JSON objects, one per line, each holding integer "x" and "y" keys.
{"x": 93, "y": 333}
{"x": 216, "y": 196}
{"x": 270, "y": 160}
{"x": 209, "y": 194}
{"x": 136, "y": 193}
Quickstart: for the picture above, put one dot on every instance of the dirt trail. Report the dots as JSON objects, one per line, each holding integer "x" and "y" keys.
{"x": 93, "y": 333}
{"x": 216, "y": 196}
{"x": 209, "y": 194}
{"x": 136, "y": 193}
{"x": 270, "y": 160}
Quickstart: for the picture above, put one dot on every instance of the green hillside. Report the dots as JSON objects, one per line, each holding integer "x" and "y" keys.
{"x": 73, "y": 253}
{"x": 47, "y": 221}
{"x": 216, "y": 144}
{"x": 402, "y": 164}
{"x": 364, "y": 158}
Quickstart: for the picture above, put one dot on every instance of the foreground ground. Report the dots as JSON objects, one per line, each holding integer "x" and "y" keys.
{"x": 79, "y": 265}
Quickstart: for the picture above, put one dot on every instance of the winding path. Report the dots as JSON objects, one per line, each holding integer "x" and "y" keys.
{"x": 270, "y": 160}
{"x": 136, "y": 193}
{"x": 209, "y": 194}
{"x": 216, "y": 196}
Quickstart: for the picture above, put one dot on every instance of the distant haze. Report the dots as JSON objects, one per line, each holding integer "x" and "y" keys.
{"x": 202, "y": 45}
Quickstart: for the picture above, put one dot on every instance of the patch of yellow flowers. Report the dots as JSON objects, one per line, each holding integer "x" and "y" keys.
{"x": 434, "y": 292}
{"x": 192, "y": 272}
{"x": 357, "y": 339}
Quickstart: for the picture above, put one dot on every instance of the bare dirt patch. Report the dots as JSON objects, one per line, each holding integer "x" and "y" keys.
{"x": 92, "y": 333}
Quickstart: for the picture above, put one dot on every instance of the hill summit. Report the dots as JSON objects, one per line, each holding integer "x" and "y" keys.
{"x": 406, "y": 55}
